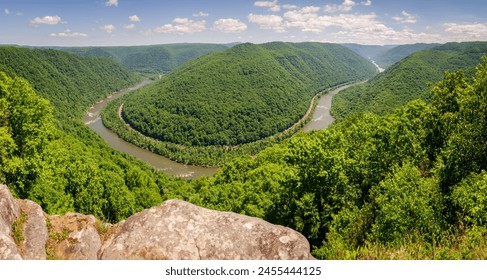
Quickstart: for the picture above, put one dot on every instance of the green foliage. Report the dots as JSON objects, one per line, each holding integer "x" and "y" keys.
{"x": 408, "y": 79}
{"x": 265, "y": 88}
{"x": 68, "y": 167}
{"x": 406, "y": 206}
{"x": 387, "y": 58}
{"x": 397, "y": 186}
{"x": 18, "y": 228}
{"x": 470, "y": 198}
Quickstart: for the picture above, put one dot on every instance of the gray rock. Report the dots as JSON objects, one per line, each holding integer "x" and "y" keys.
{"x": 35, "y": 231}
{"x": 180, "y": 230}
{"x": 9, "y": 211}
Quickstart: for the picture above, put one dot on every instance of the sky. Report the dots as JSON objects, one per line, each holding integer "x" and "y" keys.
{"x": 146, "y": 22}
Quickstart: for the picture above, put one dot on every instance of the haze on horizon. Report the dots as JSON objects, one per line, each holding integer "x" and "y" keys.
{"x": 145, "y": 22}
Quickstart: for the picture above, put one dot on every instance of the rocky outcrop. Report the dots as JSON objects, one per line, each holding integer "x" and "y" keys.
{"x": 180, "y": 230}
{"x": 9, "y": 212}
{"x": 74, "y": 237}
{"x": 173, "y": 230}
{"x": 35, "y": 235}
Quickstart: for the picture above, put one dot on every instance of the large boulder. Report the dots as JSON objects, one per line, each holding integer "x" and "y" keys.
{"x": 180, "y": 230}
{"x": 33, "y": 247}
{"x": 9, "y": 212}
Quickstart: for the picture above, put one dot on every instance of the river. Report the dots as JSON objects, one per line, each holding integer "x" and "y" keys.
{"x": 321, "y": 119}
{"x": 93, "y": 120}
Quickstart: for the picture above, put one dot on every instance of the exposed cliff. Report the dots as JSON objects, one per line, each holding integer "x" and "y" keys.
{"x": 173, "y": 230}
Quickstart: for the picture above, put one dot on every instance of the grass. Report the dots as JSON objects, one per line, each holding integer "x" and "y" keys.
{"x": 18, "y": 228}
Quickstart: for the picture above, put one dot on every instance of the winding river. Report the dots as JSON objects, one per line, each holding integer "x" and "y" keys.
{"x": 93, "y": 120}
{"x": 321, "y": 119}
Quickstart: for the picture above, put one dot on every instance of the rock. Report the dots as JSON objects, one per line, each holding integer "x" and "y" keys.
{"x": 74, "y": 237}
{"x": 180, "y": 230}
{"x": 33, "y": 247}
{"x": 9, "y": 212}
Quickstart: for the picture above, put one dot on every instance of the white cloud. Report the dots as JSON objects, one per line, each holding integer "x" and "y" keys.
{"x": 111, "y": 3}
{"x": 134, "y": 18}
{"x": 109, "y": 28}
{"x": 129, "y": 26}
{"x": 267, "y": 22}
{"x": 51, "y": 20}
{"x": 229, "y": 25}
{"x": 306, "y": 19}
{"x": 6, "y": 11}
{"x": 272, "y": 5}
{"x": 289, "y": 7}
{"x": 405, "y": 18}
{"x": 201, "y": 14}
{"x": 69, "y": 34}
{"x": 467, "y": 31}
{"x": 346, "y": 6}
{"x": 367, "y": 3}
{"x": 182, "y": 26}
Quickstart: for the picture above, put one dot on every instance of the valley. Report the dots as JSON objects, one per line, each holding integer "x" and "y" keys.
{"x": 223, "y": 119}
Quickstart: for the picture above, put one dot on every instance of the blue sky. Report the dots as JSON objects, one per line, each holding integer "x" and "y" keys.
{"x": 142, "y": 22}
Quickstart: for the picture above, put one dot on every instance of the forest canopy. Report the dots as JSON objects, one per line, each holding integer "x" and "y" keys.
{"x": 240, "y": 95}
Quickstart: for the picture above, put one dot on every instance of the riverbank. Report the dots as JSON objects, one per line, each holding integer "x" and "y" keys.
{"x": 104, "y": 117}
{"x": 92, "y": 119}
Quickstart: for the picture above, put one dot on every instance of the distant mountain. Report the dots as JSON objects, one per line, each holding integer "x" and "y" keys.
{"x": 387, "y": 58}
{"x": 152, "y": 59}
{"x": 387, "y": 55}
{"x": 242, "y": 94}
{"x": 369, "y": 51}
{"x": 408, "y": 79}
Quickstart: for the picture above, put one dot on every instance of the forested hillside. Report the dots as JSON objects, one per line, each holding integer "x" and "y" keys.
{"x": 48, "y": 155}
{"x": 387, "y": 58}
{"x": 408, "y": 185}
{"x": 408, "y": 79}
{"x": 153, "y": 59}
{"x": 369, "y": 51}
{"x": 241, "y": 95}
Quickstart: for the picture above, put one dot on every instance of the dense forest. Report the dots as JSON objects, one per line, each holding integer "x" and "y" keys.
{"x": 410, "y": 184}
{"x": 265, "y": 88}
{"x": 407, "y": 184}
{"x": 409, "y": 79}
{"x": 153, "y": 59}
{"x": 48, "y": 155}
{"x": 389, "y": 57}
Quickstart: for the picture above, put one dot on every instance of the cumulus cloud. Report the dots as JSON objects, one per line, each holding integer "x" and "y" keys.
{"x": 405, "y": 18}
{"x": 229, "y": 25}
{"x": 306, "y": 19}
{"x": 289, "y": 7}
{"x": 182, "y": 26}
{"x": 51, "y": 20}
{"x": 267, "y": 22}
{"x": 201, "y": 14}
{"x": 346, "y": 6}
{"x": 111, "y": 3}
{"x": 272, "y": 5}
{"x": 468, "y": 31}
{"x": 109, "y": 28}
{"x": 68, "y": 34}
{"x": 367, "y": 3}
{"x": 129, "y": 26}
{"x": 134, "y": 18}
